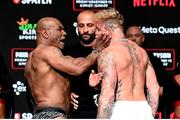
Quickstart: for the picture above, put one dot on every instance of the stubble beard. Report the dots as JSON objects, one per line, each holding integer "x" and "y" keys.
{"x": 89, "y": 41}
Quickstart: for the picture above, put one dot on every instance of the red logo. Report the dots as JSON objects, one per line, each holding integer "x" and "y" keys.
{"x": 17, "y": 115}
{"x": 162, "y": 3}
{"x": 16, "y": 1}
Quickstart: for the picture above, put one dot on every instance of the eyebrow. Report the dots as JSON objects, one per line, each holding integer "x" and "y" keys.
{"x": 60, "y": 27}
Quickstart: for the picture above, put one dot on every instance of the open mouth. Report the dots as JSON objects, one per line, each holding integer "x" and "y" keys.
{"x": 62, "y": 39}
{"x": 61, "y": 44}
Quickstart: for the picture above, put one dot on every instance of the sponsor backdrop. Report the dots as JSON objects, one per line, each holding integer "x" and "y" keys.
{"x": 158, "y": 19}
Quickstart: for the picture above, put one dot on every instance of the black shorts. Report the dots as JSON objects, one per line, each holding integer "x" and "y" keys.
{"x": 49, "y": 113}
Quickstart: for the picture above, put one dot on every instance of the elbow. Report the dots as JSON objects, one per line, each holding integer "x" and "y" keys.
{"x": 76, "y": 71}
{"x": 79, "y": 71}
{"x": 109, "y": 97}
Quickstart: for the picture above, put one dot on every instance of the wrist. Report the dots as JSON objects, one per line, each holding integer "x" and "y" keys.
{"x": 96, "y": 50}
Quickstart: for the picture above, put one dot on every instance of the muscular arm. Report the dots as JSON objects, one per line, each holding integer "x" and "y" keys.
{"x": 70, "y": 65}
{"x": 152, "y": 88}
{"x": 106, "y": 64}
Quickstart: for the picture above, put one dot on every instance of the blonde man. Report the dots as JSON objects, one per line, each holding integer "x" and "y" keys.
{"x": 126, "y": 68}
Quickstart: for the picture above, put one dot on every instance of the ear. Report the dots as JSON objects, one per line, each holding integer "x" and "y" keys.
{"x": 143, "y": 38}
{"x": 45, "y": 34}
{"x": 108, "y": 29}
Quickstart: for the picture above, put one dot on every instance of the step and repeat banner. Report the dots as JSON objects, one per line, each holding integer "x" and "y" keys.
{"x": 158, "y": 19}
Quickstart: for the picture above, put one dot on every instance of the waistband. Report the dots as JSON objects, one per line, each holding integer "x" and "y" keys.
{"x": 131, "y": 103}
{"x": 48, "y": 109}
{"x": 128, "y": 101}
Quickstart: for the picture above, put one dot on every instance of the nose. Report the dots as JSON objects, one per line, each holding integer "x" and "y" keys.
{"x": 133, "y": 38}
{"x": 96, "y": 33}
{"x": 85, "y": 29}
{"x": 64, "y": 33}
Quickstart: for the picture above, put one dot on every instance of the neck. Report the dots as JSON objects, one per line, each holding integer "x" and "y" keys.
{"x": 40, "y": 41}
{"x": 119, "y": 39}
{"x": 118, "y": 35}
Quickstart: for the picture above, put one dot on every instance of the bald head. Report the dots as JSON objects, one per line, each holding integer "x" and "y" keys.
{"x": 46, "y": 23}
{"x": 134, "y": 28}
{"x": 50, "y": 31}
{"x": 86, "y": 14}
{"x": 135, "y": 34}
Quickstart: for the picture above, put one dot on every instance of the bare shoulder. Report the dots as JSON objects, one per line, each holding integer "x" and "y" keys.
{"x": 140, "y": 49}
{"x": 105, "y": 58}
{"x": 144, "y": 53}
{"x": 144, "y": 57}
{"x": 105, "y": 54}
{"x": 138, "y": 52}
{"x": 48, "y": 51}
{"x": 53, "y": 50}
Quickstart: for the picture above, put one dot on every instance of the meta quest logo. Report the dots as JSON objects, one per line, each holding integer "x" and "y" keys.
{"x": 27, "y": 29}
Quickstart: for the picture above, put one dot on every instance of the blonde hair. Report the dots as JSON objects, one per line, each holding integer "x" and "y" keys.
{"x": 110, "y": 16}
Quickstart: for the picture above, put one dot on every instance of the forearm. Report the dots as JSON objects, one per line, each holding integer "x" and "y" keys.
{"x": 153, "y": 88}
{"x": 105, "y": 107}
{"x": 153, "y": 99}
{"x": 92, "y": 58}
{"x": 81, "y": 64}
{"x": 89, "y": 61}
{"x": 106, "y": 65}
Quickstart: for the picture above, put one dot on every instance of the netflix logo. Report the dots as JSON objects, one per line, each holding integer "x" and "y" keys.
{"x": 161, "y": 3}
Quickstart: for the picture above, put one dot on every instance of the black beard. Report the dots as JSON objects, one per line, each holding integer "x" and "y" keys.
{"x": 87, "y": 42}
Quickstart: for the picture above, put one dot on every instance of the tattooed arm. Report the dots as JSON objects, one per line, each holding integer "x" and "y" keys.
{"x": 152, "y": 88}
{"x": 106, "y": 64}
